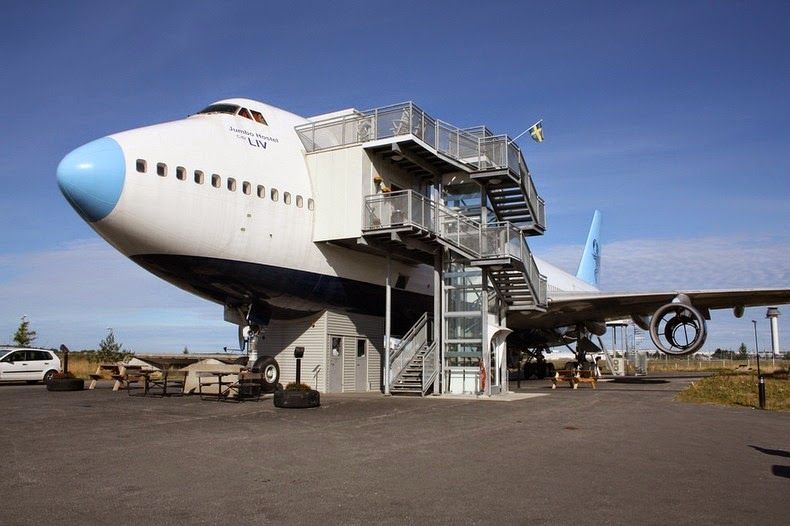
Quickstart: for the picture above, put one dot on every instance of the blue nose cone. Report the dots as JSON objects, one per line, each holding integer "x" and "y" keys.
{"x": 91, "y": 177}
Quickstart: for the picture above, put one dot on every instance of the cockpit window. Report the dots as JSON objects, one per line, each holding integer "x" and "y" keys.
{"x": 256, "y": 115}
{"x": 233, "y": 109}
{"x": 220, "y": 108}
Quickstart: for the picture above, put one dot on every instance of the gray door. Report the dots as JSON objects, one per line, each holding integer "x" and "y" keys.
{"x": 335, "y": 376}
{"x": 362, "y": 365}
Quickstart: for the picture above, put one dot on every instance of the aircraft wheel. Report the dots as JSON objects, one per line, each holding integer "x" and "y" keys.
{"x": 271, "y": 372}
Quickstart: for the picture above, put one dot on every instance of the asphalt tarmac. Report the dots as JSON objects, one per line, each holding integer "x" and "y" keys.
{"x": 625, "y": 453}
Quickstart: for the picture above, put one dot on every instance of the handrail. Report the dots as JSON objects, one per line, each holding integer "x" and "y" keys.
{"x": 411, "y": 342}
{"x": 429, "y": 369}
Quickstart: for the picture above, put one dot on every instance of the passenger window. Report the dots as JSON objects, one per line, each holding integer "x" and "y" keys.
{"x": 246, "y": 187}
{"x": 299, "y": 201}
{"x": 181, "y": 173}
{"x": 161, "y": 169}
{"x": 216, "y": 180}
{"x": 244, "y": 113}
{"x": 261, "y": 191}
{"x": 275, "y": 194}
{"x": 287, "y": 198}
{"x": 141, "y": 165}
{"x": 310, "y": 204}
{"x": 231, "y": 184}
{"x": 257, "y": 117}
{"x": 199, "y": 177}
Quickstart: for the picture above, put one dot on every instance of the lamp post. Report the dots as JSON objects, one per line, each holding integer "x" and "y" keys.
{"x": 760, "y": 379}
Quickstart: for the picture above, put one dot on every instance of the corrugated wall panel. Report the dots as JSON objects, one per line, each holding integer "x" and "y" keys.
{"x": 282, "y": 336}
{"x": 352, "y": 326}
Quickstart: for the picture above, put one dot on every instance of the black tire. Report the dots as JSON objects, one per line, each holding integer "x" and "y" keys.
{"x": 66, "y": 384}
{"x": 49, "y": 375}
{"x": 297, "y": 399}
{"x": 271, "y": 372}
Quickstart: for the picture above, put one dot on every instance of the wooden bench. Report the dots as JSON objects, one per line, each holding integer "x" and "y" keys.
{"x": 574, "y": 378}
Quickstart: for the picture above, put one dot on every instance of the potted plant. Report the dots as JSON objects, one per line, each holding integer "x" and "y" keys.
{"x": 65, "y": 381}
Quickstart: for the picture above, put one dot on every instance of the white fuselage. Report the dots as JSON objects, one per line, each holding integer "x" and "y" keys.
{"x": 221, "y": 187}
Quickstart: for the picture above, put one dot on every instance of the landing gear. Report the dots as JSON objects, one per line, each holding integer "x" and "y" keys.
{"x": 250, "y": 335}
{"x": 540, "y": 368}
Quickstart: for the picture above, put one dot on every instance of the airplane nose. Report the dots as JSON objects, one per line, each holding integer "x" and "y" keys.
{"x": 91, "y": 178}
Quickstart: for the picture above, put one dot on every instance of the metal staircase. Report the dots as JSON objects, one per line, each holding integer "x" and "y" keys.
{"x": 413, "y": 362}
{"x": 413, "y": 220}
{"x": 509, "y": 186}
{"x": 419, "y": 374}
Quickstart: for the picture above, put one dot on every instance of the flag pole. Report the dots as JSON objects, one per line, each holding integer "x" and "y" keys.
{"x": 524, "y": 132}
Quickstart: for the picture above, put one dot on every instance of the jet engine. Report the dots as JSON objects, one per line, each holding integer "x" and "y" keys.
{"x": 678, "y": 328}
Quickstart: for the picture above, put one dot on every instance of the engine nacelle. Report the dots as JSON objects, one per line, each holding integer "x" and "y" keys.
{"x": 678, "y": 329}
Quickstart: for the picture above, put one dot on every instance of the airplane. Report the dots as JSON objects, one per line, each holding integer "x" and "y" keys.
{"x": 221, "y": 204}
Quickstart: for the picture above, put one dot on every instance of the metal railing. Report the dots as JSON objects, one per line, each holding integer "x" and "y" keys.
{"x": 429, "y": 369}
{"x": 493, "y": 240}
{"x": 473, "y": 146}
{"x": 412, "y": 341}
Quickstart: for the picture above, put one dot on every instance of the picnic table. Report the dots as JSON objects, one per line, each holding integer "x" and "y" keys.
{"x": 118, "y": 371}
{"x": 157, "y": 382}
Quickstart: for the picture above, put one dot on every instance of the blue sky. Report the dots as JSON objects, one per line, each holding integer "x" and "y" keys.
{"x": 670, "y": 117}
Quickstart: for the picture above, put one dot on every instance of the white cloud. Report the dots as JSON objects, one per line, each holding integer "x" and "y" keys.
{"x": 72, "y": 294}
{"x": 696, "y": 263}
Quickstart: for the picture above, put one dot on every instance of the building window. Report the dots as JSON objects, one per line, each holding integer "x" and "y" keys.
{"x": 216, "y": 180}
{"x": 362, "y": 346}
{"x": 181, "y": 173}
{"x": 261, "y": 191}
{"x": 231, "y": 184}
{"x": 275, "y": 194}
{"x": 161, "y": 169}
{"x": 141, "y": 166}
{"x": 299, "y": 201}
{"x": 310, "y": 204}
{"x": 199, "y": 177}
{"x": 287, "y": 198}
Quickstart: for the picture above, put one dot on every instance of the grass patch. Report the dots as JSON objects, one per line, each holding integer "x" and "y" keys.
{"x": 739, "y": 389}
{"x": 80, "y": 367}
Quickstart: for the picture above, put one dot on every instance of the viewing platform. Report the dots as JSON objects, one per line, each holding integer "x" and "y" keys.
{"x": 427, "y": 147}
{"x": 498, "y": 246}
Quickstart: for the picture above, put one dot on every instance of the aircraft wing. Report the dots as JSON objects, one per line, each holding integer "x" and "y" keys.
{"x": 568, "y": 308}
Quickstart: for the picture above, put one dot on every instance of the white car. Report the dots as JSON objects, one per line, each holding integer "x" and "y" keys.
{"x": 30, "y": 365}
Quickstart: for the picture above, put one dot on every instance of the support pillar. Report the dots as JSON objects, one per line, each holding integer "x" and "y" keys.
{"x": 387, "y": 328}
{"x": 438, "y": 321}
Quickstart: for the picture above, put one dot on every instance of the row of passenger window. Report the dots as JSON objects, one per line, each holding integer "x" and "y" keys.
{"x": 230, "y": 183}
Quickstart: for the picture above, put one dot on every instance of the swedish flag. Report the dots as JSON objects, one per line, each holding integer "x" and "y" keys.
{"x": 536, "y": 132}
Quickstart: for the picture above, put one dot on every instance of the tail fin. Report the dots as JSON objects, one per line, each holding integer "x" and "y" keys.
{"x": 590, "y": 265}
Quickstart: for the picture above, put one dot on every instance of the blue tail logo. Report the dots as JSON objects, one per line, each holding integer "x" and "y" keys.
{"x": 590, "y": 265}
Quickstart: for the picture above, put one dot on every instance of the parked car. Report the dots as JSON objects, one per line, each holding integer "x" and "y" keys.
{"x": 30, "y": 365}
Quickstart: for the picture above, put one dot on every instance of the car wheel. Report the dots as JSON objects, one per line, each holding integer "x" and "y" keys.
{"x": 48, "y": 376}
